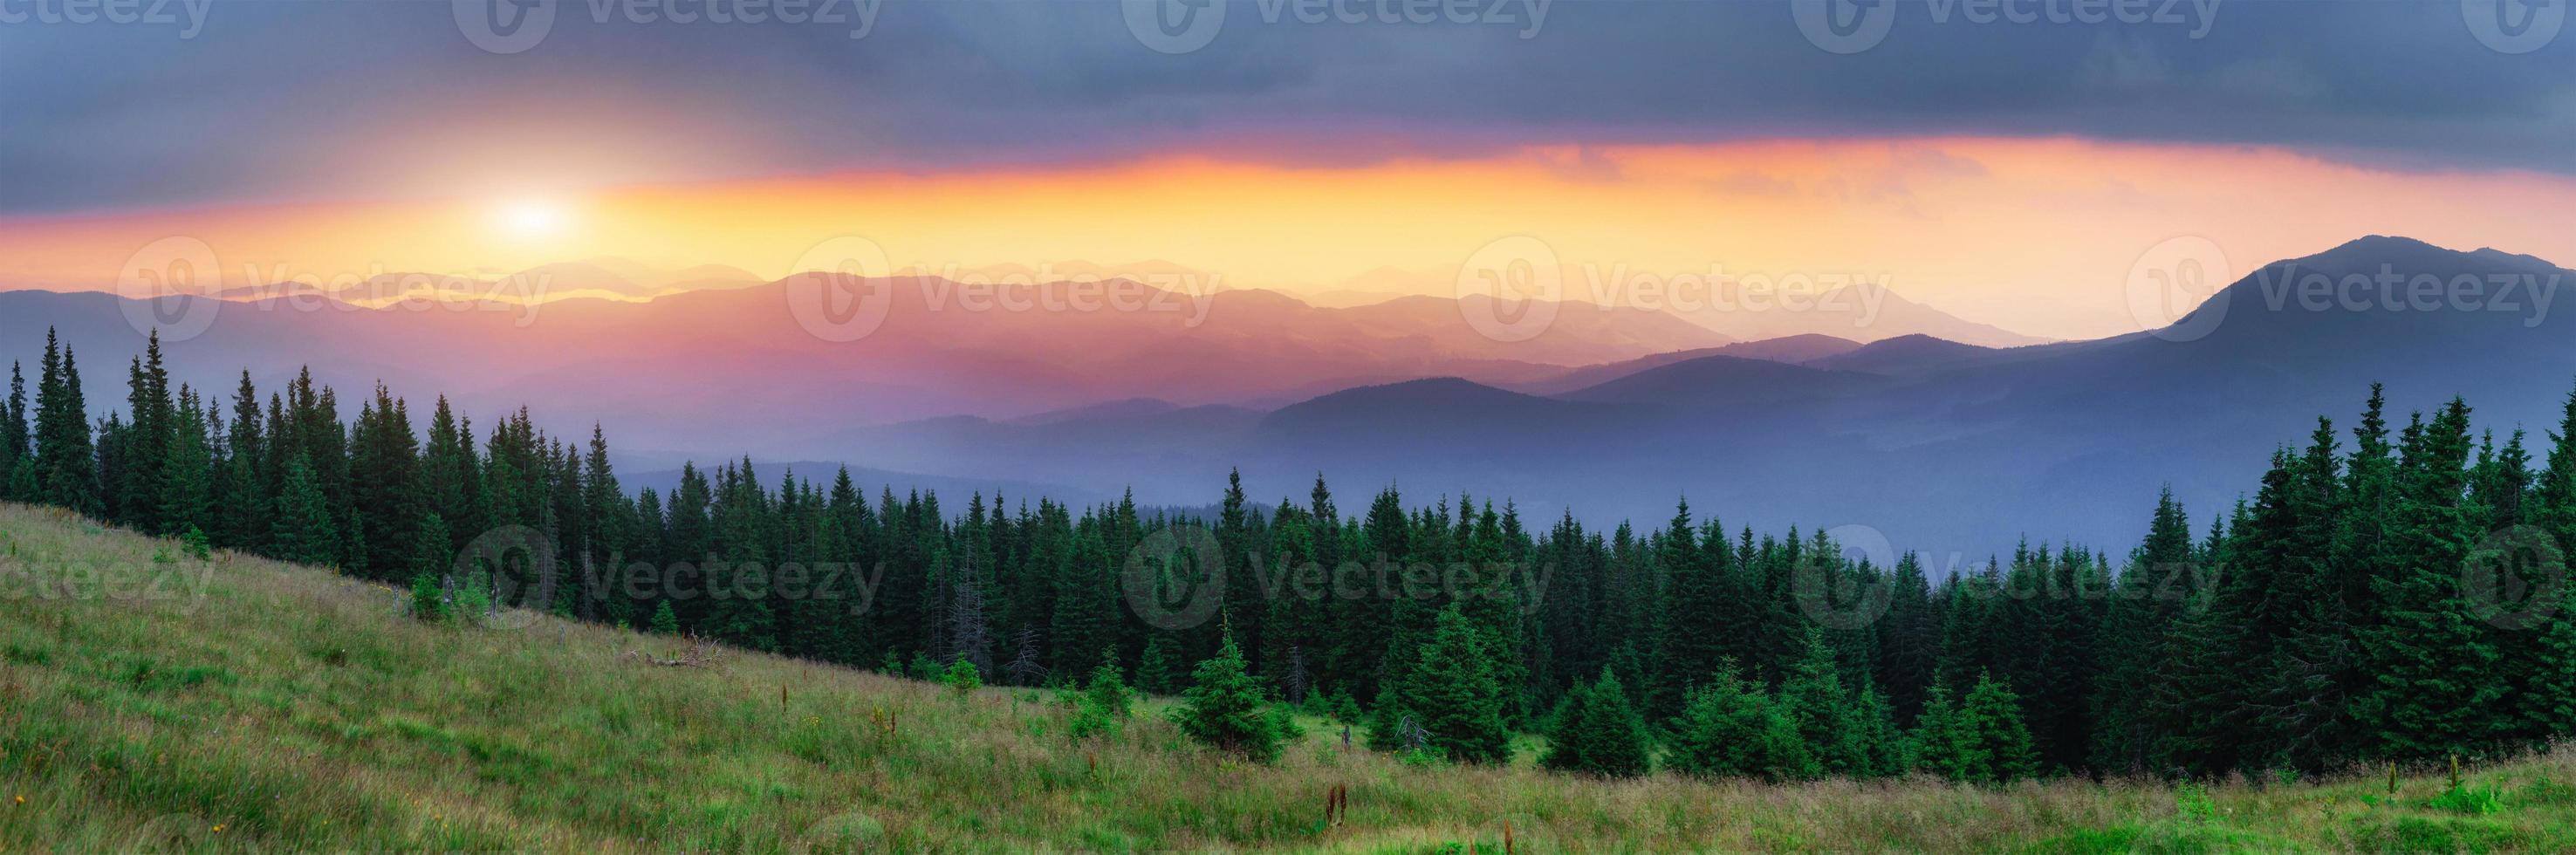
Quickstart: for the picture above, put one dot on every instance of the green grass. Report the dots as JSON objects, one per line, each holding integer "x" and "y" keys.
{"x": 289, "y": 708}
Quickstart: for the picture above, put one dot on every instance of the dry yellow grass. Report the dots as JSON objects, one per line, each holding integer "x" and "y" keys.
{"x": 283, "y": 707}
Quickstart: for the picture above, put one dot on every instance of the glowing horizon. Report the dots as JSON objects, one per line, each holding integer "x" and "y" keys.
{"x": 2034, "y": 235}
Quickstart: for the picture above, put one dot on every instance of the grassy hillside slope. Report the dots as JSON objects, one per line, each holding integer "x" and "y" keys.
{"x": 150, "y": 701}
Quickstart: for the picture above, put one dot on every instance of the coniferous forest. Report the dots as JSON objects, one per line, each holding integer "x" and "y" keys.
{"x": 2388, "y": 590}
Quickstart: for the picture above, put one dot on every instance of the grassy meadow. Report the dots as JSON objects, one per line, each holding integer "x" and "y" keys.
{"x": 150, "y": 701}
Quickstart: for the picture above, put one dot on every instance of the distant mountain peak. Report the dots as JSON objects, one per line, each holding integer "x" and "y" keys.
{"x": 2383, "y": 243}
{"x": 1911, "y": 354}
{"x": 1441, "y": 385}
{"x": 2375, "y": 289}
{"x": 2402, "y": 251}
{"x": 1858, "y": 312}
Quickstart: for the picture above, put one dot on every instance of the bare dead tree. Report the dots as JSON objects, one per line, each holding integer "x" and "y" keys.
{"x": 1024, "y": 668}
{"x": 972, "y": 640}
{"x": 1296, "y": 681}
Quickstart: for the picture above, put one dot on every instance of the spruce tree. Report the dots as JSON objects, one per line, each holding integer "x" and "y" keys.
{"x": 1597, "y": 732}
{"x": 2431, "y": 660}
{"x": 305, "y": 532}
{"x": 2361, "y": 554}
{"x": 614, "y": 521}
{"x": 741, "y": 611}
{"x": 962, "y": 678}
{"x": 1909, "y": 638}
{"x": 2543, "y": 657}
{"x": 1158, "y": 671}
{"x": 188, "y": 492}
{"x": 1568, "y": 733}
{"x": 384, "y": 469}
{"x": 1812, "y": 696}
{"x": 1105, "y": 701}
{"x": 66, "y": 462}
{"x": 1453, "y": 694}
{"x": 146, "y": 451}
{"x": 429, "y": 566}
{"x": 1943, "y": 743}
{"x": 1991, "y": 724}
{"x": 111, "y": 445}
{"x": 1107, "y": 690}
{"x": 21, "y": 481}
{"x": 428, "y": 601}
{"x": 1701, "y": 608}
{"x": 1085, "y": 605}
{"x": 242, "y": 501}
{"x": 1341, "y": 707}
{"x": 2147, "y": 599}
{"x": 14, "y": 445}
{"x": 1730, "y": 728}
{"x": 1227, "y": 708}
{"x": 431, "y": 555}
{"x": 1882, "y": 745}
{"x": 1390, "y": 722}
{"x": 2313, "y": 670}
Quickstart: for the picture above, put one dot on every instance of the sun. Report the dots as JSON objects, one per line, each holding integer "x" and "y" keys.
{"x": 531, "y": 219}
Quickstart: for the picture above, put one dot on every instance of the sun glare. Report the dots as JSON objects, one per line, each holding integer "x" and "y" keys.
{"x": 531, "y": 219}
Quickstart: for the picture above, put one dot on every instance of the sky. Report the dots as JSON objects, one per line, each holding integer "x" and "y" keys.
{"x": 2011, "y": 162}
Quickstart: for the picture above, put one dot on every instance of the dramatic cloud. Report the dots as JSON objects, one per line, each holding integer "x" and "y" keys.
{"x": 295, "y": 101}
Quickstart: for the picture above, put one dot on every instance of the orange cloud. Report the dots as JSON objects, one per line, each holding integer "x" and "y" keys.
{"x": 2032, "y": 234}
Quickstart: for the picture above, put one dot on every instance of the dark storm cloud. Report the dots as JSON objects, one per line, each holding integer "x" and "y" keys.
{"x": 281, "y": 100}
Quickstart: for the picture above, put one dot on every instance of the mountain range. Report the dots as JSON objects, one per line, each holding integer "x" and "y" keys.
{"x": 1957, "y": 447}
{"x": 1862, "y": 311}
{"x": 602, "y": 278}
{"x": 722, "y": 370}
